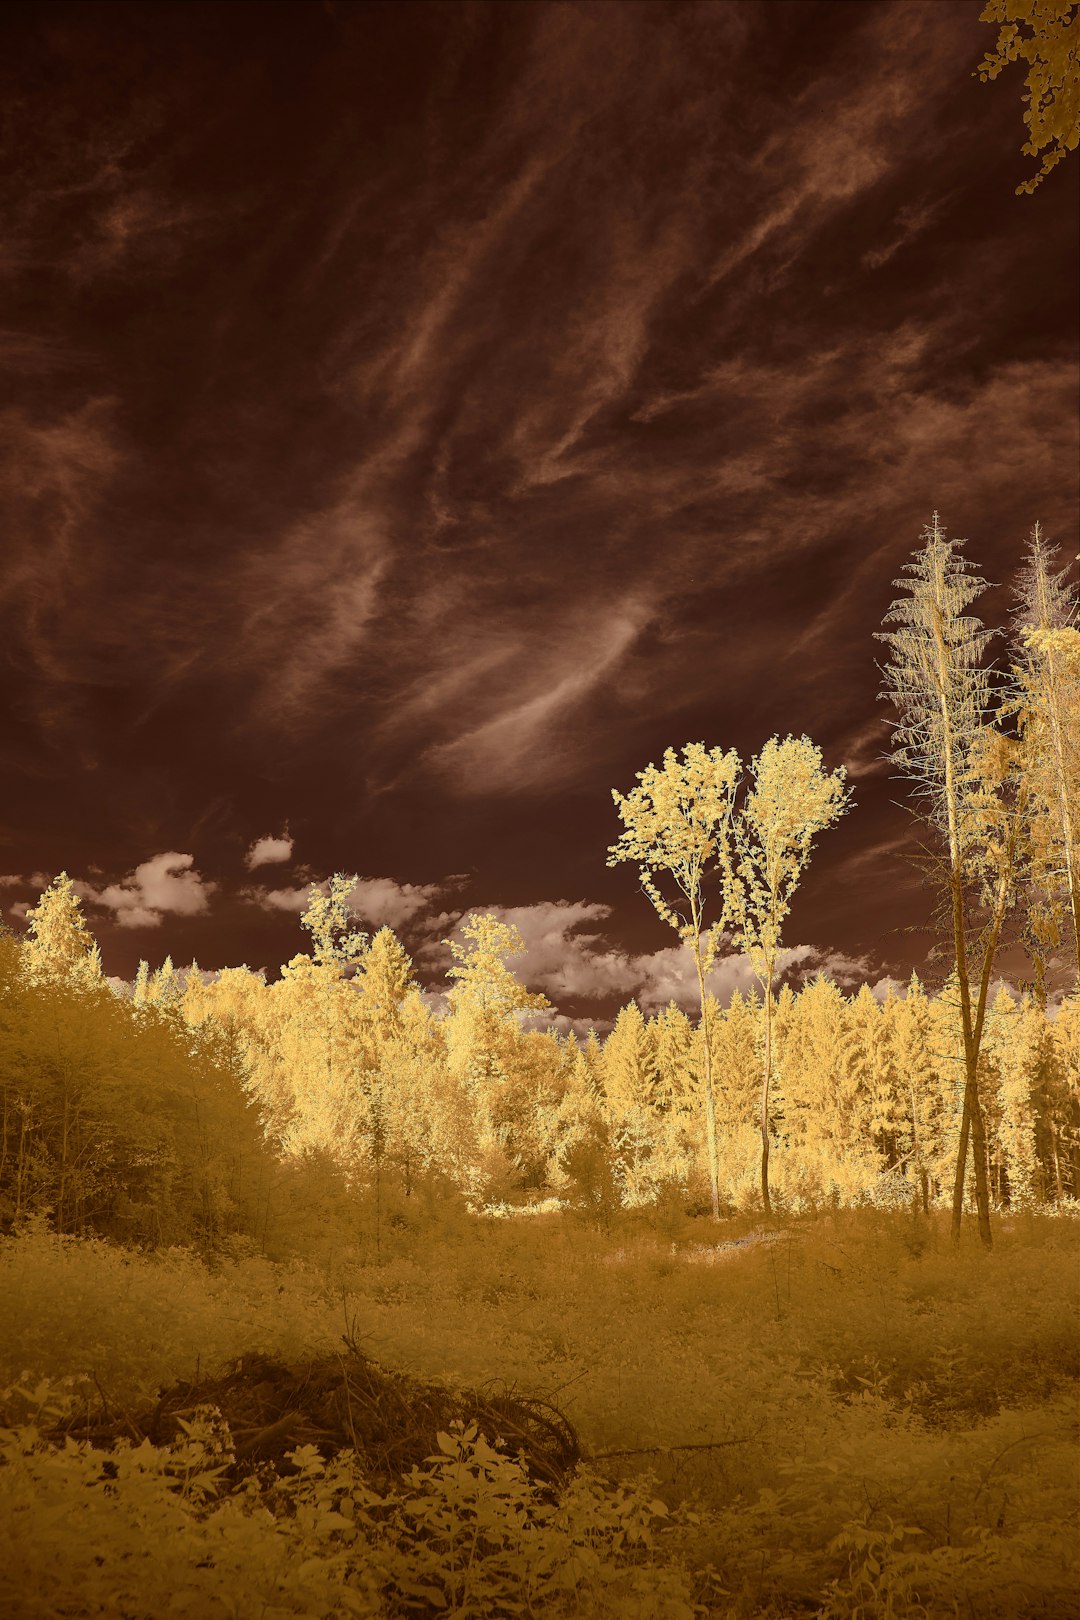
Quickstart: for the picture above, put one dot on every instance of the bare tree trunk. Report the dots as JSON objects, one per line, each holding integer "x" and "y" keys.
{"x": 765, "y": 1080}
{"x": 61, "y": 1192}
{"x": 20, "y": 1162}
{"x": 973, "y": 1034}
{"x": 4, "y": 1137}
{"x": 1056, "y": 1161}
{"x": 971, "y": 1124}
{"x": 710, "y": 1096}
{"x": 972, "y": 1121}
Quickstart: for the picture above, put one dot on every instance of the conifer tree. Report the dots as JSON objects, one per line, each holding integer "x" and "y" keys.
{"x": 918, "y": 1102}
{"x": 629, "y": 1064}
{"x": 735, "y": 1048}
{"x": 677, "y": 825}
{"x": 482, "y": 1033}
{"x": 479, "y": 969}
{"x": 672, "y": 1037}
{"x": 384, "y": 980}
{"x": 629, "y": 1071}
{"x": 60, "y": 944}
{"x": 309, "y": 1061}
{"x": 1017, "y": 1048}
{"x": 580, "y": 1163}
{"x": 870, "y": 1030}
{"x": 1060, "y": 1101}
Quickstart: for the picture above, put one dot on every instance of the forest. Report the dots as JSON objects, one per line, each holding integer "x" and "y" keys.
{"x": 326, "y": 1296}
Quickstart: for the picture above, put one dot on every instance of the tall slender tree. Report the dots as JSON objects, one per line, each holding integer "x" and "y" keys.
{"x": 677, "y": 823}
{"x": 1047, "y": 673}
{"x": 792, "y": 799}
{"x": 939, "y": 686}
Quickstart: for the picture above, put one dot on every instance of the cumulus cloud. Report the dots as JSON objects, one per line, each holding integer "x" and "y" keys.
{"x": 269, "y": 851}
{"x": 377, "y": 902}
{"x": 385, "y": 903}
{"x": 166, "y": 883}
{"x": 846, "y": 971}
{"x": 669, "y": 975}
{"x": 16, "y": 880}
{"x": 567, "y": 957}
{"x": 291, "y": 898}
{"x": 887, "y": 986}
{"x": 560, "y": 959}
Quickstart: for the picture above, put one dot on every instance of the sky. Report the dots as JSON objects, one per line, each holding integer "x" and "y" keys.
{"x": 417, "y": 417}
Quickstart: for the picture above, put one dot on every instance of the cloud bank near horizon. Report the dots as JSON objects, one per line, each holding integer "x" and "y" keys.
{"x": 567, "y": 954}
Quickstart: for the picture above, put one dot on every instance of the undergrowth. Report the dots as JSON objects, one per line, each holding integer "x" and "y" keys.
{"x": 851, "y": 1419}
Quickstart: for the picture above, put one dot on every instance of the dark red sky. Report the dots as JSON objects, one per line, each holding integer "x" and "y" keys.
{"x": 417, "y": 416}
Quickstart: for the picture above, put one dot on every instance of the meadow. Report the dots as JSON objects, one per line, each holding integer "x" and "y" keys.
{"x": 839, "y": 1415}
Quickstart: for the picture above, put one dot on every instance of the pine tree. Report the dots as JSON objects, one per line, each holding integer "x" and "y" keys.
{"x": 1060, "y": 1101}
{"x": 581, "y": 1168}
{"x": 384, "y": 980}
{"x": 482, "y": 1034}
{"x": 826, "y": 1068}
{"x": 629, "y": 1066}
{"x": 1019, "y": 1043}
{"x": 735, "y": 1040}
{"x": 672, "y": 1036}
{"x": 629, "y": 1074}
{"x": 918, "y": 1108}
{"x": 60, "y": 944}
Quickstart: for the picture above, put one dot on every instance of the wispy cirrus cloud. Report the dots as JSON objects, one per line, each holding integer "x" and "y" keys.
{"x": 508, "y": 744}
{"x": 595, "y": 409}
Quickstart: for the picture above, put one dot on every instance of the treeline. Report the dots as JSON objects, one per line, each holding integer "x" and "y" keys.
{"x": 192, "y": 1111}
{"x": 191, "y": 1108}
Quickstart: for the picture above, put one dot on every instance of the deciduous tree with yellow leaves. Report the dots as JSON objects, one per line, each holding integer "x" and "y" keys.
{"x": 792, "y": 799}
{"x": 678, "y": 825}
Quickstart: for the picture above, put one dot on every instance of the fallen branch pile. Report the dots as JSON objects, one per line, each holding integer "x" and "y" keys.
{"x": 339, "y": 1402}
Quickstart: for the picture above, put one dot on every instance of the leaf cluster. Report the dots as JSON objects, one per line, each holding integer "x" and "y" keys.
{"x": 1046, "y": 35}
